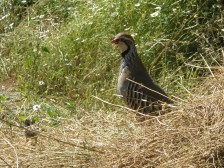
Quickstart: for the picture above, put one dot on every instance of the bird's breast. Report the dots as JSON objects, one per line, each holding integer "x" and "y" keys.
{"x": 123, "y": 81}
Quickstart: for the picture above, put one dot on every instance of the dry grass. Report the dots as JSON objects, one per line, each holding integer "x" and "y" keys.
{"x": 189, "y": 136}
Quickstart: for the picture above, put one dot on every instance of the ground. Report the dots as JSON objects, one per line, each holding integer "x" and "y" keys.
{"x": 191, "y": 135}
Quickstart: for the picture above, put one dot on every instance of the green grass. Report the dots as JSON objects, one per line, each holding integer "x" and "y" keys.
{"x": 65, "y": 45}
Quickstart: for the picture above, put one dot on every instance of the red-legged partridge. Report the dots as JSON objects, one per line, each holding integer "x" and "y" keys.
{"x": 135, "y": 95}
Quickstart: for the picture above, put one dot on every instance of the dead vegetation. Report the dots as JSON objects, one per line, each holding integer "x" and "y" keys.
{"x": 189, "y": 136}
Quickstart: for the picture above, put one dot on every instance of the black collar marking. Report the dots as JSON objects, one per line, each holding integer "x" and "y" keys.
{"x": 126, "y": 51}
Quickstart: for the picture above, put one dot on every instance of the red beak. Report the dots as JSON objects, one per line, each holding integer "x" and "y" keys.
{"x": 114, "y": 41}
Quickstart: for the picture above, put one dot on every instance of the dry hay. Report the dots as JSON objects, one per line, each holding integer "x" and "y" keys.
{"x": 189, "y": 136}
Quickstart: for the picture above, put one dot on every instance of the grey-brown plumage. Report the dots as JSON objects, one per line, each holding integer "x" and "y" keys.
{"x": 135, "y": 95}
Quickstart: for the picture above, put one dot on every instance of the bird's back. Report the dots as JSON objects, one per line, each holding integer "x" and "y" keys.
{"x": 151, "y": 88}
{"x": 138, "y": 89}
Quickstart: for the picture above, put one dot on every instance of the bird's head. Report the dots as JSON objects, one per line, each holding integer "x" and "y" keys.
{"x": 123, "y": 41}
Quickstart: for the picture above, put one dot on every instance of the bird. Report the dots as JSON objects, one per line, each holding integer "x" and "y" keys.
{"x": 30, "y": 132}
{"x": 135, "y": 85}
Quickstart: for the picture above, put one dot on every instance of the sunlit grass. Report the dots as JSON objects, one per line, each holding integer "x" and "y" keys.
{"x": 66, "y": 45}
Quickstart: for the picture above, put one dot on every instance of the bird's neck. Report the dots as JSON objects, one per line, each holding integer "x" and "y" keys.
{"x": 127, "y": 48}
{"x": 125, "y": 52}
{"x": 130, "y": 56}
